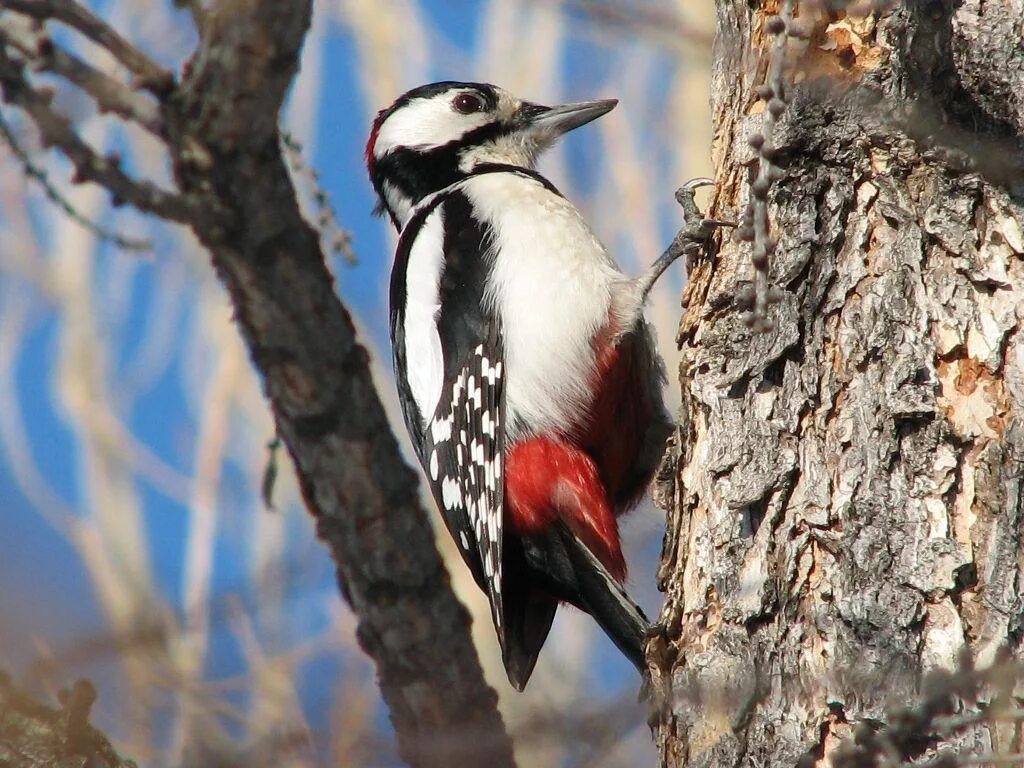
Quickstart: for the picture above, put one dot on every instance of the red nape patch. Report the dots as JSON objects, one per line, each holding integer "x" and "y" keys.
{"x": 371, "y": 143}
{"x": 547, "y": 479}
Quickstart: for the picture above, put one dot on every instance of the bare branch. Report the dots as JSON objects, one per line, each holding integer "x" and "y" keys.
{"x": 109, "y": 94}
{"x": 337, "y": 239}
{"x": 56, "y": 131}
{"x": 151, "y": 76}
{"x": 33, "y": 171}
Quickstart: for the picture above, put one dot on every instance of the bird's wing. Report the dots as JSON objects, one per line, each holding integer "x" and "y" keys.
{"x": 465, "y": 442}
{"x": 449, "y": 359}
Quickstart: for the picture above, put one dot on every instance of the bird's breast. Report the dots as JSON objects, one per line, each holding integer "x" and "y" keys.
{"x": 552, "y": 285}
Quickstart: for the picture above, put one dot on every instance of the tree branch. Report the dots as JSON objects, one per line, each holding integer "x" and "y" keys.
{"x": 55, "y": 196}
{"x": 221, "y": 126}
{"x": 109, "y": 94}
{"x": 150, "y": 75}
{"x": 56, "y": 131}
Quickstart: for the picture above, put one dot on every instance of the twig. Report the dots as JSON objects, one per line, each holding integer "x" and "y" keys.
{"x": 270, "y": 473}
{"x": 32, "y": 170}
{"x": 336, "y": 238}
{"x": 109, "y": 94}
{"x": 149, "y": 74}
{"x": 56, "y": 131}
{"x": 755, "y": 226}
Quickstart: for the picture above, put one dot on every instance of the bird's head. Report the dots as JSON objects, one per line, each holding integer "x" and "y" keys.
{"x": 435, "y": 134}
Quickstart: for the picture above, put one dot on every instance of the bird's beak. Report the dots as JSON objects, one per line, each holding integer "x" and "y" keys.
{"x": 552, "y": 122}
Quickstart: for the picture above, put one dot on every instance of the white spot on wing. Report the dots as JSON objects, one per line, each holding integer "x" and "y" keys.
{"x": 441, "y": 429}
{"x": 451, "y": 494}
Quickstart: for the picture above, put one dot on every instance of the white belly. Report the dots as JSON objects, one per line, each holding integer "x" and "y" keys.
{"x": 552, "y": 285}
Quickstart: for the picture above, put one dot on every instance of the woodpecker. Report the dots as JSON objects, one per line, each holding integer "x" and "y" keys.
{"x": 528, "y": 377}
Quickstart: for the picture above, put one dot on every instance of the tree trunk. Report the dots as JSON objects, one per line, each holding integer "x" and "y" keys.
{"x": 845, "y": 510}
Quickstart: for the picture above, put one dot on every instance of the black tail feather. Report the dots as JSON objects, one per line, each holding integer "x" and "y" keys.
{"x": 528, "y": 616}
{"x": 556, "y": 566}
{"x": 606, "y": 600}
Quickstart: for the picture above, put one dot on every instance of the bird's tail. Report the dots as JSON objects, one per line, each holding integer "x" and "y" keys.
{"x": 604, "y": 598}
{"x": 528, "y": 616}
{"x": 557, "y": 566}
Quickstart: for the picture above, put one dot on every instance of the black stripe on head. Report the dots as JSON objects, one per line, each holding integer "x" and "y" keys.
{"x": 488, "y": 92}
{"x": 418, "y": 173}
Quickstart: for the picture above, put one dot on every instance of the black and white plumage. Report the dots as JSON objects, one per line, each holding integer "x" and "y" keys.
{"x": 448, "y": 355}
{"x": 528, "y": 378}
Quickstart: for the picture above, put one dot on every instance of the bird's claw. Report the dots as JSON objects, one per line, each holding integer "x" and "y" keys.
{"x": 695, "y": 227}
{"x": 697, "y": 230}
{"x": 692, "y": 184}
{"x": 692, "y": 236}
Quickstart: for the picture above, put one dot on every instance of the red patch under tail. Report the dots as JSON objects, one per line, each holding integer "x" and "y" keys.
{"x": 546, "y": 479}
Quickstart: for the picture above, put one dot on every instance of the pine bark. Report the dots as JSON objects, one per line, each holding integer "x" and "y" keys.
{"x": 845, "y": 502}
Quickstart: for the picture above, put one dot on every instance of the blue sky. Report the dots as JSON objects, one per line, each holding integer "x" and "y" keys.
{"x": 155, "y": 347}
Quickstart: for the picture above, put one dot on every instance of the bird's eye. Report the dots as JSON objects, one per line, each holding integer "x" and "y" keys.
{"x": 467, "y": 103}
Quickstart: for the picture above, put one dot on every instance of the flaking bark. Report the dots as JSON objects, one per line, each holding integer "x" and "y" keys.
{"x": 845, "y": 506}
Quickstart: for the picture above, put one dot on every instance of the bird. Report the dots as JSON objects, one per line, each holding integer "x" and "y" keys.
{"x": 529, "y": 380}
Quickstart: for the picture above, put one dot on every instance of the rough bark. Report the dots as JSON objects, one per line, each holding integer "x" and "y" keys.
{"x": 845, "y": 506}
{"x": 220, "y": 125}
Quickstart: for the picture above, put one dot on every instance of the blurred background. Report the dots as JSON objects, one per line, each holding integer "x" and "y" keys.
{"x": 136, "y": 548}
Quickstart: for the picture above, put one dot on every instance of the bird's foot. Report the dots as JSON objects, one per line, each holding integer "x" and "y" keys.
{"x": 695, "y": 227}
{"x": 694, "y": 235}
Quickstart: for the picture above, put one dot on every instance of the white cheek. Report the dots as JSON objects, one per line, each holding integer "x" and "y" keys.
{"x": 425, "y": 123}
{"x": 398, "y": 203}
